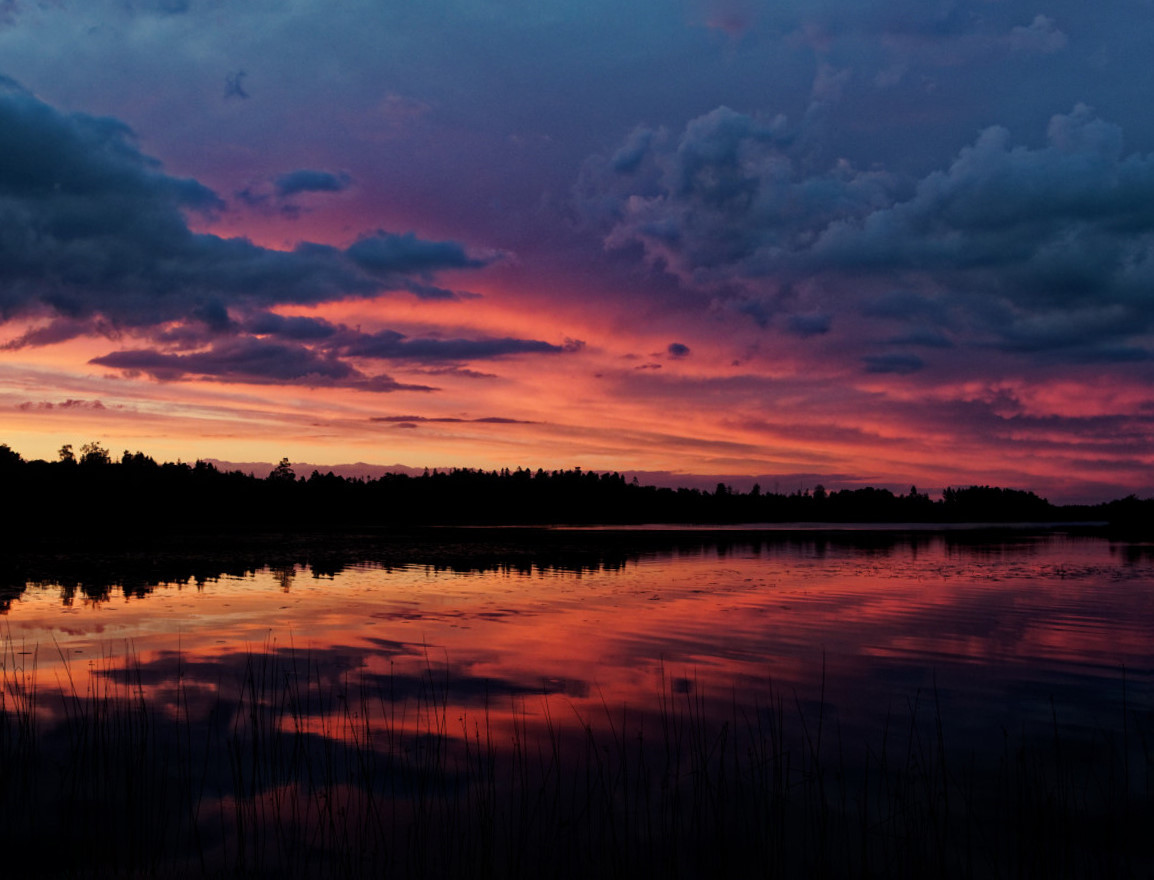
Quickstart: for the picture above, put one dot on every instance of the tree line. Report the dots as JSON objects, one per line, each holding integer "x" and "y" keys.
{"x": 90, "y": 490}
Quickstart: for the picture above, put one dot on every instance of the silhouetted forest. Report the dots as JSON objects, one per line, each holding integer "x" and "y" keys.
{"x": 93, "y": 493}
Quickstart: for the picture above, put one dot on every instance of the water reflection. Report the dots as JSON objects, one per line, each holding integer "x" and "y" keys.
{"x": 396, "y": 668}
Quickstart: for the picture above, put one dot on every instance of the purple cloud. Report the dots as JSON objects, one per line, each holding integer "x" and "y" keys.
{"x": 389, "y": 344}
{"x": 309, "y": 180}
{"x": 91, "y": 226}
{"x": 252, "y": 360}
{"x": 900, "y": 364}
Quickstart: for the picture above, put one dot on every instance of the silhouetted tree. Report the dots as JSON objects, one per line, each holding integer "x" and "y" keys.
{"x": 93, "y": 454}
{"x": 137, "y": 496}
{"x": 283, "y": 472}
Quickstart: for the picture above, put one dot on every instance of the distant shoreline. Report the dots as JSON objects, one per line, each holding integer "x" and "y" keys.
{"x": 91, "y": 497}
{"x": 825, "y": 526}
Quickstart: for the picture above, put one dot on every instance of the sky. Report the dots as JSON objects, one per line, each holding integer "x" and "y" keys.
{"x": 842, "y": 242}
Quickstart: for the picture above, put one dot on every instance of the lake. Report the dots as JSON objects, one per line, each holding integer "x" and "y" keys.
{"x": 790, "y": 703}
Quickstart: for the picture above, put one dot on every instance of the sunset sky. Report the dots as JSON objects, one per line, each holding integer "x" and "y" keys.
{"x": 845, "y": 242}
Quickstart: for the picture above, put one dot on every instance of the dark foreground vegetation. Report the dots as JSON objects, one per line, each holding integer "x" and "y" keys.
{"x": 277, "y": 767}
{"x": 93, "y": 493}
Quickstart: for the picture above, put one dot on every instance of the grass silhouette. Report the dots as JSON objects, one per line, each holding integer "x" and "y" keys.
{"x": 278, "y": 769}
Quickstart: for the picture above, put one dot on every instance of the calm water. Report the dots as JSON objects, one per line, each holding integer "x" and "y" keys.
{"x": 989, "y": 639}
{"x": 1002, "y": 630}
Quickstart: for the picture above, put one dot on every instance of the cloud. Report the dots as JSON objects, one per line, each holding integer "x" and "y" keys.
{"x": 292, "y": 327}
{"x": 815, "y": 324}
{"x": 453, "y": 370}
{"x": 723, "y": 202}
{"x": 384, "y": 255}
{"x": 678, "y": 349}
{"x": 59, "y": 330}
{"x": 1041, "y": 35}
{"x": 266, "y": 347}
{"x": 901, "y": 364}
{"x": 308, "y": 180}
{"x": 276, "y": 194}
{"x": 90, "y": 226}
{"x": 255, "y": 361}
{"x": 1020, "y": 248}
{"x": 487, "y": 420}
{"x": 95, "y": 236}
{"x": 401, "y": 110}
{"x": 234, "y": 85}
{"x": 69, "y": 404}
{"x": 731, "y": 17}
{"x": 390, "y": 344}
{"x": 160, "y": 7}
{"x": 927, "y": 338}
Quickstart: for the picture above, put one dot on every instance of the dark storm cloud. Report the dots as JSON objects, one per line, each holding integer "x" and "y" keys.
{"x": 308, "y": 180}
{"x": 252, "y": 360}
{"x": 91, "y": 226}
{"x": 1026, "y": 249}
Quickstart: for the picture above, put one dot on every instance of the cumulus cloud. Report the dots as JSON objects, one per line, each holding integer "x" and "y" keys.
{"x": 1041, "y": 35}
{"x": 95, "y": 237}
{"x": 727, "y": 199}
{"x": 1021, "y": 248}
{"x": 91, "y": 226}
